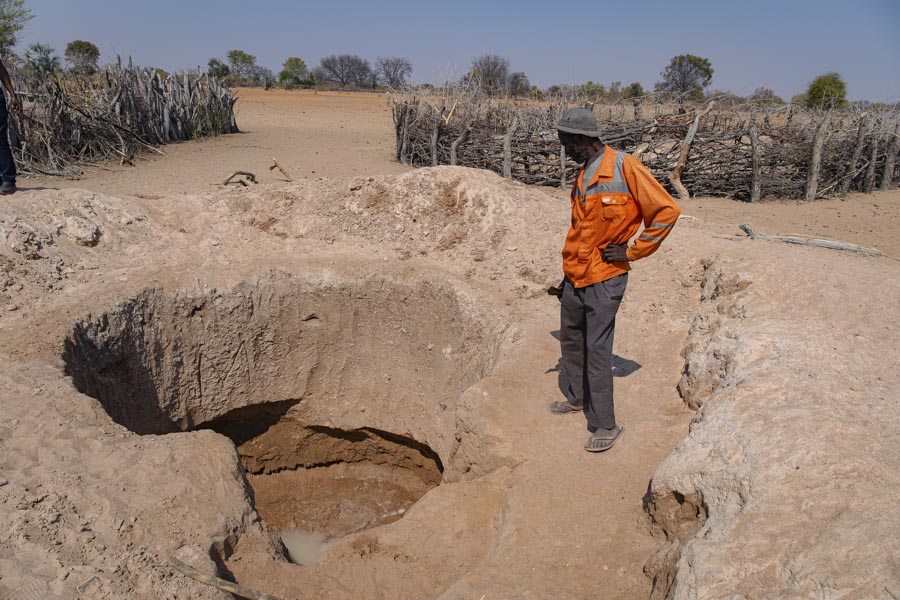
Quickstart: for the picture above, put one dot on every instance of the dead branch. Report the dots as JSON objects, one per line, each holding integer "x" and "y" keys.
{"x": 246, "y": 174}
{"x": 810, "y": 241}
{"x": 277, "y": 165}
{"x": 220, "y": 584}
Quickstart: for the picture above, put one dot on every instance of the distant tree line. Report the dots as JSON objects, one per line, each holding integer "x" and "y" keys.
{"x": 686, "y": 77}
{"x": 81, "y": 58}
{"x": 341, "y": 70}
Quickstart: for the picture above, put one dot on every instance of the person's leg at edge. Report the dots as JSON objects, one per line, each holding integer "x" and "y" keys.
{"x": 7, "y": 164}
{"x": 602, "y": 302}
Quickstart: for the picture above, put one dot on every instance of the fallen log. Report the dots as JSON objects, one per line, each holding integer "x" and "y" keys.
{"x": 810, "y": 241}
{"x": 221, "y": 584}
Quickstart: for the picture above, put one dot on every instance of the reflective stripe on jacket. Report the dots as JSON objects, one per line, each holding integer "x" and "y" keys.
{"x": 609, "y": 209}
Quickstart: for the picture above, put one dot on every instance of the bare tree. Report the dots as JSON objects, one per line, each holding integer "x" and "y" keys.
{"x": 393, "y": 70}
{"x": 491, "y": 72}
{"x": 344, "y": 69}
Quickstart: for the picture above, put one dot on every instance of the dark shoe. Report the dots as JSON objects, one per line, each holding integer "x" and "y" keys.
{"x": 7, "y": 188}
{"x": 602, "y": 443}
{"x": 563, "y": 408}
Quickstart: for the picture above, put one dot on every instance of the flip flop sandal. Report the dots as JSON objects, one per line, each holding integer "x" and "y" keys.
{"x": 562, "y": 408}
{"x": 600, "y": 444}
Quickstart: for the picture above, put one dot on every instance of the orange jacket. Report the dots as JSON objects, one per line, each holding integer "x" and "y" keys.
{"x": 620, "y": 195}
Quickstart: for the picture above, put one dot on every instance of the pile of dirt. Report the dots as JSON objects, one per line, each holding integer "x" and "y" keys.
{"x": 498, "y": 228}
{"x": 783, "y": 483}
{"x": 175, "y": 367}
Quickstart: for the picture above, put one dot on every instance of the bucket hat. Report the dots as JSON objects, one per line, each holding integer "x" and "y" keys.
{"x": 579, "y": 120}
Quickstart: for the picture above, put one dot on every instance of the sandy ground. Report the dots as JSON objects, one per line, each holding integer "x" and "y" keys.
{"x": 524, "y": 511}
{"x": 311, "y": 134}
{"x": 334, "y": 134}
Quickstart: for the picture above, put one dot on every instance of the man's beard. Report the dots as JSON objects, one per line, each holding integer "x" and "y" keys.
{"x": 579, "y": 155}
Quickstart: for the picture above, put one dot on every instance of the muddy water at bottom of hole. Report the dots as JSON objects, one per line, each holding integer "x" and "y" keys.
{"x": 313, "y": 507}
{"x": 303, "y": 548}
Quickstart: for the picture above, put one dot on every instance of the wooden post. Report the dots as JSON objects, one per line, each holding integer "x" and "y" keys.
{"x": 507, "y": 147}
{"x": 857, "y": 154}
{"x": 869, "y": 183}
{"x": 675, "y": 174}
{"x": 434, "y": 137}
{"x": 755, "y": 183}
{"x": 893, "y": 146}
{"x": 404, "y": 137}
{"x": 812, "y": 182}
{"x": 456, "y": 143}
{"x": 563, "y": 184}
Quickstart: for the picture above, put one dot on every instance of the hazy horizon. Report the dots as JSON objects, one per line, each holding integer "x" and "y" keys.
{"x": 779, "y": 45}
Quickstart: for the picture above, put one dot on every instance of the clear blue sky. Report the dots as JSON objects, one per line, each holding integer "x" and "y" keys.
{"x": 777, "y": 44}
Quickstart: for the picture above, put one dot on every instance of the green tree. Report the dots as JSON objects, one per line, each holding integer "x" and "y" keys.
{"x": 217, "y": 68}
{"x": 242, "y": 64}
{"x": 635, "y": 90}
{"x": 13, "y": 17}
{"x": 83, "y": 56}
{"x": 826, "y": 91}
{"x": 687, "y": 76}
{"x": 765, "y": 96}
{"x": 293, "y": 72}
{"x": 592, "y": 90}
{"x": 41, "y": 60}
{"x": 615, "y": 90}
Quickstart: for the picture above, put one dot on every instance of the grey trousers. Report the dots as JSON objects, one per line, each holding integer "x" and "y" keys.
{"x": 586, "y": 331}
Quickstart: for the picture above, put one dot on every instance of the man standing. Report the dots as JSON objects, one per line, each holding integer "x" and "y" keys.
{"x": 612, "y": 195}
{"x": 7, "y": 164}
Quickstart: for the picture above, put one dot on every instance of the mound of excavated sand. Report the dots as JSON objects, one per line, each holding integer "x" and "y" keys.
{"x": 174, "y": 369}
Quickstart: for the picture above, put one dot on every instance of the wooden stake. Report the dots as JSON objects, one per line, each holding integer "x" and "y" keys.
{"x": 755, "y": 180}
{"x": 675, "y": 174}
{"x": 456, "y": 143}
{"x": 404, "y": 145}
{"x": 507, "y": 147}
{"x": 869, "y": 183}
{"x": 893, "y": 146}
{"x": 812, "y": 182}
{"x": 435, "y": 135}
{"x": 562, "y": 167}
{"x": 857, "y": 154}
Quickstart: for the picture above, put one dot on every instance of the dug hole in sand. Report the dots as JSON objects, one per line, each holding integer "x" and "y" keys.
{"x": 368, "y": 362}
